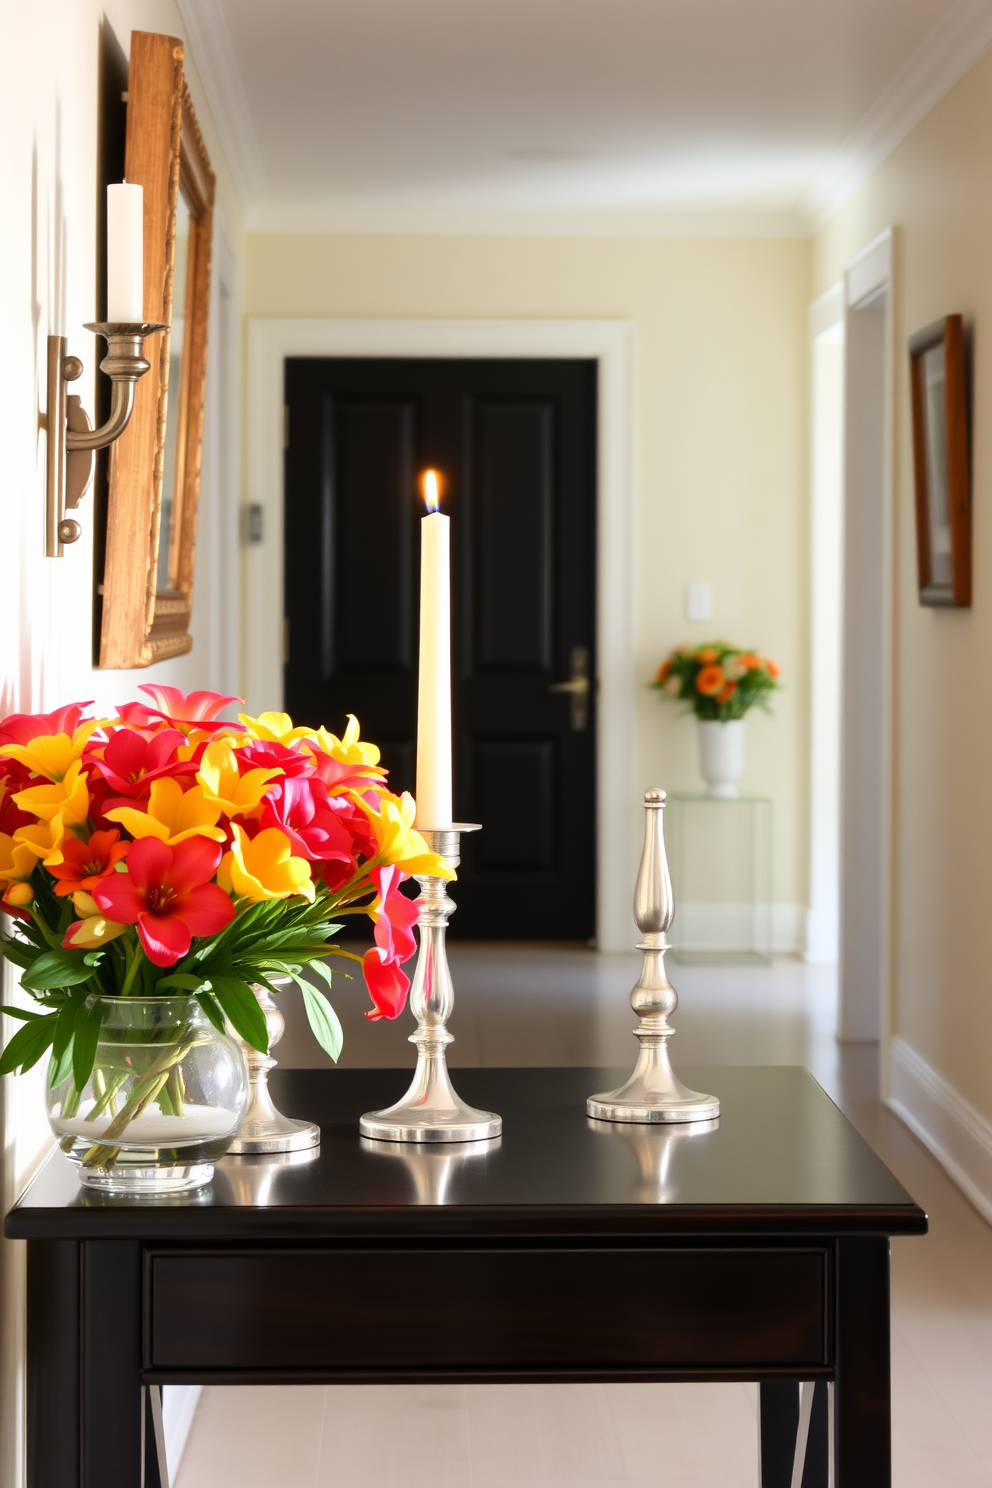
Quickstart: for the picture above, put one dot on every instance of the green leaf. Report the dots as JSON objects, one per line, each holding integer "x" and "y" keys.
{"x": 212, "y": 1009}
{"x": 184, "y": 981}
{"x": 85, "y": 1038}
{"x": 56, "y": 969}
{"x": 241, "y": 1006}
{"x": 24, "y": 1013}
{"x": 28, "y": 1045}
{"x": 69, "y": 1016}
{"x": 327, "y": 1029}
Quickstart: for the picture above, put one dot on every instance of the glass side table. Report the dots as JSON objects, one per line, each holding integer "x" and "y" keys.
{"x": 721, "y": 859}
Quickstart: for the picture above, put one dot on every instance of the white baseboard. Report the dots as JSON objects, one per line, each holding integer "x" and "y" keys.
{"x": 179, "y": 1404}
{"x": 957, "y": 1135}
{"x": 727, "y": 927}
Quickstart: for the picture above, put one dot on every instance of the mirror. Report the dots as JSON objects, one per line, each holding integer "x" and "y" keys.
{"x": 155, "y": 465}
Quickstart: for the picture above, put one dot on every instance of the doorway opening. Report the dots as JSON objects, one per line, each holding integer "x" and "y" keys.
{"x": 514, "y": 443}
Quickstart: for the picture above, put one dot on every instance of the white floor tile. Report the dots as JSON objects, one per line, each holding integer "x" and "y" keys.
{"x": 254, "y": 1436}
{"x": 376, "y": 1436}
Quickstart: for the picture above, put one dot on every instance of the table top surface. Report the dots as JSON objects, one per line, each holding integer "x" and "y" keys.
{"x": 781, "y": 1159}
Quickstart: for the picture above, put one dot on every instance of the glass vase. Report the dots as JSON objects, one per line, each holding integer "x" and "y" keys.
{"x": 166, "y": 1095}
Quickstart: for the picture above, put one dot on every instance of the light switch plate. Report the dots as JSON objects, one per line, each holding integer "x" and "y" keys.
{"x": 697, "y": 601}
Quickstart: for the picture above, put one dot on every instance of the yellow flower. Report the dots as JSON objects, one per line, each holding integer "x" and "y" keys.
{"x": 52, "y": 755}
{"x": 91, "y": 932}
{"x": 275, "y": 728}
{"x": 173, "y": 814}
{"x": 349, "y": 750}
{"x": 85, "y": 905}
{"x": 20, "y": 894}
{"x": 17, "y": 860}
{"x": 63, "y": 804}
{"x": 398, "y": 842}
{"x": 263, "y": 867}
{"x": 222, "y": 786}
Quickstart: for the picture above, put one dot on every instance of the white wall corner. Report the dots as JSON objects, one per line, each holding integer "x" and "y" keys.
{"x": 957, "y": 1135}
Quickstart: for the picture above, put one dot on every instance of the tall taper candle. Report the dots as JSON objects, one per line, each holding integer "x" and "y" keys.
{"x": 434, "y": 700}
{"x": 125, "y": 253}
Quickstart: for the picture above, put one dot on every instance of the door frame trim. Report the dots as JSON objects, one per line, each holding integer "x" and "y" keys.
{"x": 611, "y": 344}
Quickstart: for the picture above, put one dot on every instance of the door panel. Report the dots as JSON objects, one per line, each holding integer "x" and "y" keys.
{"x": 515, "y": 442}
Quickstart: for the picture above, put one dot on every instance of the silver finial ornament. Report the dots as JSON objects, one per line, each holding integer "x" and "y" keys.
{"x": 653, "y": 1092}
{"x": 432, "y": 1110}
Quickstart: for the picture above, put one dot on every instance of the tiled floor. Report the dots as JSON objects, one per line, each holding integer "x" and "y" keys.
{"x": 568, "y": 1006}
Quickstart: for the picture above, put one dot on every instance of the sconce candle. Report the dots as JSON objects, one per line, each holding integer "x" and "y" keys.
{"x": 434, "y": 696}
{"x": 125, "y": 254}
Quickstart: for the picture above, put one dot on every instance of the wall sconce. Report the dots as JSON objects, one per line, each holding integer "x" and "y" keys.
{"x": 71, "y": 440}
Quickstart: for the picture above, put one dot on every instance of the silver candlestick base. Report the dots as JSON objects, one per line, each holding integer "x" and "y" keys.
{"x": 431, "y": 1110}
{"x": 263, "y": 1128}
{"x": 653, "y": 1092}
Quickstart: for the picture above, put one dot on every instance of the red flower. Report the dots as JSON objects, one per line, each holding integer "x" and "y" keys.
{"x": 11, "y": 817}
{"x": 341, "y": 777}
{"x": 388, "y": 985}
{"x": 21, "y": 728}
{"x": 167, "y": 893}
{"x": 85, "y": 863}
{"x": 266, "y": 754}
{"x": 132, "y": 760}
{"x": 394, "y": 943}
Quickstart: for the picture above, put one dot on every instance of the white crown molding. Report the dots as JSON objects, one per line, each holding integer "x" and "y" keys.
{"x": 213, "y": 55}
{"x": 945, "y": 56}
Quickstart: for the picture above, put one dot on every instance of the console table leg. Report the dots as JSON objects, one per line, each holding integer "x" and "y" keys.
{"x": 113, "y": 1398}
{"x": 862, "y": 1424}
{"x": 53, "y": 1383}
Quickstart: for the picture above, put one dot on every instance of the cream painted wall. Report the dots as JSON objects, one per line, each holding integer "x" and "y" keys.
{"x": 48, "y": 121}
{"x": 720, "y": 457}
{"x": 936, "y": 188}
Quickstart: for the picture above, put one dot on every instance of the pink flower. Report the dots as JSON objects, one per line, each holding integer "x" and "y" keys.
{"x": 21, "y": 728}
{"x": 167, "y": 893}
{"x": 394, "y": 944}
{"x": 299, "y": 808}
{"x": 196, "y": 710}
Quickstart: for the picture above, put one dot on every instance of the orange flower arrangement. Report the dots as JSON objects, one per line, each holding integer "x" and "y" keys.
{"x": 718, "y": 681}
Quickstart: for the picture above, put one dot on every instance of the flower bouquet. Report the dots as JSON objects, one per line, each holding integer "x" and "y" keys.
{"x": 720, "y": 683}
{"x": 159, "y": 865}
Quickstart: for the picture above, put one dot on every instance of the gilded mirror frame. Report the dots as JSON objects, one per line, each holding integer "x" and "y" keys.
{"x": 142, "y": 623}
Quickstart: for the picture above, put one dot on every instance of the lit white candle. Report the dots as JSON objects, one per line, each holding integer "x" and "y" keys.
{"x": 434, "y": 700}
{"x": 125, "y": 253}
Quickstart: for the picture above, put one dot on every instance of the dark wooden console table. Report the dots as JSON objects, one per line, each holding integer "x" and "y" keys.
{"x": 566, "y": 1250}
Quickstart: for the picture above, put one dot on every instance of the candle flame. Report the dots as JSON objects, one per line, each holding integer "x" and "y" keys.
{"x": 431, "y": 495}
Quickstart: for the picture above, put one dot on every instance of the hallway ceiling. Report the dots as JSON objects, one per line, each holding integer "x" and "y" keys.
{"x": 568, "y": 115}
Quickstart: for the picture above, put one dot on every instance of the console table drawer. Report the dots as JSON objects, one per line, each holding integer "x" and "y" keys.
{"x": 407, "y": 1309}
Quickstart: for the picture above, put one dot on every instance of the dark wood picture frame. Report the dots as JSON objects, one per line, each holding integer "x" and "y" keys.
{"x": 143, "y": 621}
{"x": 939, "y": 392}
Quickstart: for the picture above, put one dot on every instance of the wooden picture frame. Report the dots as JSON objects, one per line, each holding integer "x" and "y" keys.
{"x": 154, "y": 471}
{"x": 938, "y": 384}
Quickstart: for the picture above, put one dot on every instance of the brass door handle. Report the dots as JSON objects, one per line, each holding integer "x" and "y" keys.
{"x": 578, "y": 687}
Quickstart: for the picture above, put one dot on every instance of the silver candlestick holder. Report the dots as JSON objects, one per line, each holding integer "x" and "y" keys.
{"x": 263, "y": 1128}
{"x": 431, "y": 1110}
{"x": 653, "y": 1092}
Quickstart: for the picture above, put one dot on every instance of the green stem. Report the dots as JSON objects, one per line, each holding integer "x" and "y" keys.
{"x": 132, "y": 972}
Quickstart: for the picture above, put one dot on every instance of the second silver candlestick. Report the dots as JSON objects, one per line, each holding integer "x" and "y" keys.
{"x": 431, "y": 1110}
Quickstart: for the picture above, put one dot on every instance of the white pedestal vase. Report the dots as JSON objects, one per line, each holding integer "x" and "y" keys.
{"x": 721, "y": 756}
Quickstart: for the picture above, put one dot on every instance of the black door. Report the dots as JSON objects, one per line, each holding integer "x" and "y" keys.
{"x": 515, "y": 444}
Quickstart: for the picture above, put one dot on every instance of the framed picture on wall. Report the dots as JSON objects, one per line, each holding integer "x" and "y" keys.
{"x": 154, "y": 479}
{"x": 940, "y": 460}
